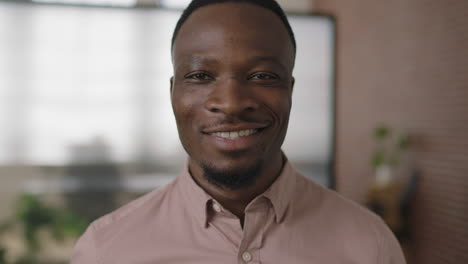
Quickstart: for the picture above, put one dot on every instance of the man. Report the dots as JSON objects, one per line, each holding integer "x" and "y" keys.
{"x": 238, "y": 200}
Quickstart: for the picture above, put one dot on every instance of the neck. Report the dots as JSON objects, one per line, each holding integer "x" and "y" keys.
{"x": 237, "y": 200}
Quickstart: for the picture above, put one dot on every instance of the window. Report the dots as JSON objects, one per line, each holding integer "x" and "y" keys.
{"x": 77, "y": 80}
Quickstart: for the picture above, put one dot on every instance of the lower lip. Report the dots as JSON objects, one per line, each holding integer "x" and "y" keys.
{"x": 240, "y": 143}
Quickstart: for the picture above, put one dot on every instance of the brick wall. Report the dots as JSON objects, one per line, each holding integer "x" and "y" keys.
{"x": 405, "y": 63}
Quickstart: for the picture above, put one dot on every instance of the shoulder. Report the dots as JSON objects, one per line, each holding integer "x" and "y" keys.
{"x": 339, "y": 210}
{"x": 135, "y": 208}
{"x": 125, "y": 221}
{"x": 329, "y": 202}
{"x": 352, "y": 224}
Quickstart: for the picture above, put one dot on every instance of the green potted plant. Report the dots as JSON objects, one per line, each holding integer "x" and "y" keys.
{"x": 387, "y": 155}
{"x": 32, "y": 215}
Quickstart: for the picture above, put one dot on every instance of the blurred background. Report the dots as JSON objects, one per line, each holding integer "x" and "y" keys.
{"x": 380, "y": 113}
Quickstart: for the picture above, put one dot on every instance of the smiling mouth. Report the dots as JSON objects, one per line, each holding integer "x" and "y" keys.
{"x": 235, "y": 134}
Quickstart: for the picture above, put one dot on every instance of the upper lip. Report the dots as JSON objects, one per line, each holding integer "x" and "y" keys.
{"x": 234, "y": 127}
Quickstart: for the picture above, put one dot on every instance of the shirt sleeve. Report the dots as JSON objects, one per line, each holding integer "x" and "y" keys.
{"x": 85, "y": 250}
{"x": 389, "y": 249}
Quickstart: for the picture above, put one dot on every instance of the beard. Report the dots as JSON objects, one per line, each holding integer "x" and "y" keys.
{"x": 232, "y": 179}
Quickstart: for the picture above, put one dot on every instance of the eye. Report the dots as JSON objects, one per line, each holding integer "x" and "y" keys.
{"x": 201, "y": 76}
{"x": 264, "y": 76}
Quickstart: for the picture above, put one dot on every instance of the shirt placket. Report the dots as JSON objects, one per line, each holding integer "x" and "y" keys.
{"x": 255, "y": 222}
{"x": 227, "y": 225}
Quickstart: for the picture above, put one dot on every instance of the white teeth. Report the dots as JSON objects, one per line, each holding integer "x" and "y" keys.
{"x": 235, "y": 134}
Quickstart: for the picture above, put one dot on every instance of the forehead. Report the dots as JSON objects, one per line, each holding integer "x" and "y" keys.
{"x": 236, "y": 30}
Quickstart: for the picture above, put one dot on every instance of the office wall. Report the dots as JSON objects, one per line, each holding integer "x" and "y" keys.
{"x": 405, "y": 63}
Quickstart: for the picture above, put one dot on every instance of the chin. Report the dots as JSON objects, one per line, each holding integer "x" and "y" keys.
{"x": 234, "y": 160}
{"x": 232, "y": 176}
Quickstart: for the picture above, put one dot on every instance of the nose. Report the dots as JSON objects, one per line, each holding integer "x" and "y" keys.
{"x": 231, "y": 97}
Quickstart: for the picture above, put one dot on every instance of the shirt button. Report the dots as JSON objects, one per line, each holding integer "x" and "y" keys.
{"x": 246, "y": 256}
{"x": 217, "y": 207}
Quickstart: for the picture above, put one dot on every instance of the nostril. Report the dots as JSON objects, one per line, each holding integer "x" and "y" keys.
{"x": 231, "y": 102}
{"x": 214, "y": 110}
{"x": 250, "y": 109}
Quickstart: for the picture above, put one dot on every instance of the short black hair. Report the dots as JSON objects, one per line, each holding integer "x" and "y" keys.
{"x": 271, "y": 5}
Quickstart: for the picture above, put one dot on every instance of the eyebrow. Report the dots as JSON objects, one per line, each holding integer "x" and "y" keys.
{"x": 190, "y": 60}
{"x": 269, "y": 59}
{"x": 206, "y": 59}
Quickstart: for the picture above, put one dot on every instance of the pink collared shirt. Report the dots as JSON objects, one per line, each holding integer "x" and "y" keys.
{"x": 295, "y": 221}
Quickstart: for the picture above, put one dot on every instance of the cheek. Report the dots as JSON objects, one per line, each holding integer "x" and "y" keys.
{"x": 281, "y": 107}
{"x": 185, "y": 107}
{"x": 183, "y": 115}
{"x": 280, "y": 104}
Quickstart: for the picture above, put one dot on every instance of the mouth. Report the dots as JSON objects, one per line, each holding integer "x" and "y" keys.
{"x": 235, "y": 134}
{"x": 235, "y": 138}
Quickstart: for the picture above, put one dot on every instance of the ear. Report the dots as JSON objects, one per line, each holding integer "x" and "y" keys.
{"x": 293, "y": 81}
{"x": 171, "y": 84}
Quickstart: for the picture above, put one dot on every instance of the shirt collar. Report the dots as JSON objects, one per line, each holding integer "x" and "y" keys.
{"x": 198, "y": 200}
{"x": 281, "y": 191}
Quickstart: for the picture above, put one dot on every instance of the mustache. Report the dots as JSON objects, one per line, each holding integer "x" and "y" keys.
{"x": 233, "y": 121}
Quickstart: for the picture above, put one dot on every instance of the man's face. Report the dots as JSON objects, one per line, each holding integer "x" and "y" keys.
{"x": 232, "y": 86}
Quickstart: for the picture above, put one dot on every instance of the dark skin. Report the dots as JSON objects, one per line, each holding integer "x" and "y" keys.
{"x": 233, "y": 67}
